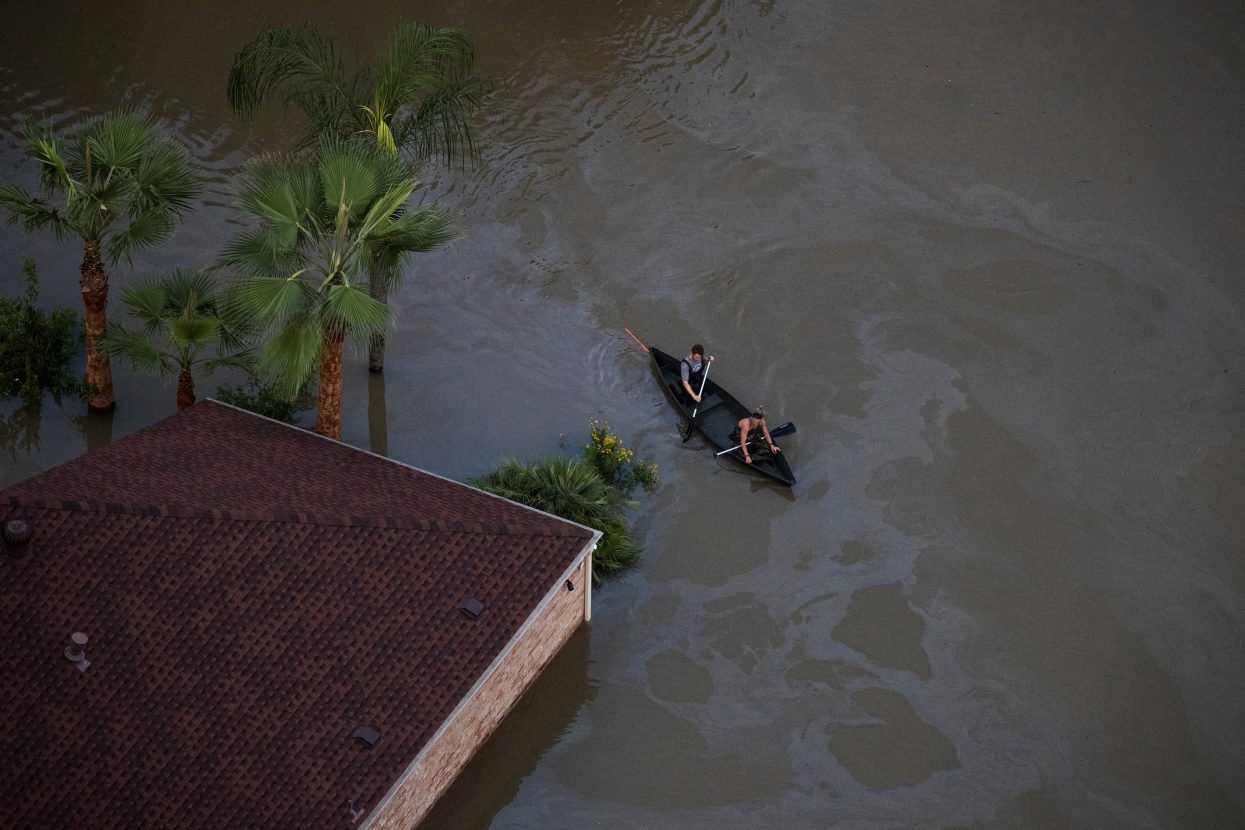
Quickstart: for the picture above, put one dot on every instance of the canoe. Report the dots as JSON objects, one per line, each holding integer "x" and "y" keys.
{"x": 718, "y": 415}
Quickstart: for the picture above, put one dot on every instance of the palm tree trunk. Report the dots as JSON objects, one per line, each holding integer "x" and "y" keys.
{"x": 94, "y": 282}
{"x": 329, "y": 393}
{"x": 378, "y": 284}
{"x": 185, "y": 388}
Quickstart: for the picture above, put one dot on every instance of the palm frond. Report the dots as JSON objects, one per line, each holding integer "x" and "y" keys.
{"x": 165, "y": 178}
{"x": 137, "y": 350}
{"x": 420, "y": 59}
{"x": 33, "y": 214}
{"x": 615, "y": 553}
{"x": 244, "y": 361}
{"x": 299, "y": 61}
{"x": 194, "y": 333}
{"x": 148, "y": 302}
{"x": 141, "y": 232}
{"x": 410, "y": 233}
{"x": 348, "y": 176}
{"x": 441, "y": 124}
{"x": 354, "y": 308}
{"x": 118, "y": 142}
{"x": 260, "y": 253}
{"x": 291, "y": 355}
{"x": 327, "y": 118}
{"x": 305, "y": 185}
{"x": 99, "y": 205}
{"x": 396, "y": 170}
{"x": 385, "y": 209}
{"x": 194, "y": 292}
{"x": 276, "y": 191}
{"x": 418, "y": 232}
{"x": 238, "y": 326}
{"x": 374, "y": 124}
{"x": 275, "y": 300}
{"x": 43, "y": 146}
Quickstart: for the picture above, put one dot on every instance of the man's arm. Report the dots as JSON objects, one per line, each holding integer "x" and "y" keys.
{"x": 685, "y": 376}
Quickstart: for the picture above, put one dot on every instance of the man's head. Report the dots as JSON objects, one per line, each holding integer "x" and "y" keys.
{"x": 698, "y": 351}
{"x": 758, "y": 413}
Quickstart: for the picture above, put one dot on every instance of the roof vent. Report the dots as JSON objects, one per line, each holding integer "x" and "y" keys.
{"x": 356, "y": 813}
{"x": 471, "y": 607}
{"x": 75, "y": 652}
{"x": 367, "y": 736}
{"x": 16, "y": 534}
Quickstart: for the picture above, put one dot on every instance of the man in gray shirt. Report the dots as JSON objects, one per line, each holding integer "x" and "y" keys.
{"x": 692, "y": 371}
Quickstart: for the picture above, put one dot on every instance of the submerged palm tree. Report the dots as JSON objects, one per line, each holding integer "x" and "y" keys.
{"x": 416, "y": 100}
{"x": 575, "y": 490}
{"x": 184, "y": 315}
{"x": 119, "y": 189}
{"x": 322, "y": 221}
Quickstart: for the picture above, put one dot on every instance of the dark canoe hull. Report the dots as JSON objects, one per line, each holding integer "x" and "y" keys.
{"x": 716, "y": 418}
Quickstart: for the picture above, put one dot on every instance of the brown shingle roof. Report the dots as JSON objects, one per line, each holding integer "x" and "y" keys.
{"x": 252, "y": 594}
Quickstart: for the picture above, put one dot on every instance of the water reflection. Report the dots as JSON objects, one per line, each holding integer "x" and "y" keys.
{"x": 22, "y": 425}
{"x": 19, "y": 429}
{"x": 544, "y": 714}
{"x": 96, "y": 428}
{"x": 377, "y": 415}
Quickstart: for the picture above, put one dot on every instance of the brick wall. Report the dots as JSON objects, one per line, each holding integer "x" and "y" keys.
{"x": 472, "y": 723}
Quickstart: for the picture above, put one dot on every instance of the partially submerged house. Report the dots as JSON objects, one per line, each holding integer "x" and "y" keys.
{"x": 223, "y": 621}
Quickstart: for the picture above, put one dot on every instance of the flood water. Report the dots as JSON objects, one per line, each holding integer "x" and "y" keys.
{"x": 987, "y": 256}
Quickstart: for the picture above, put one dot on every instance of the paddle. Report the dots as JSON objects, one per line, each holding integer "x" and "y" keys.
{"x": 692, "y": 423}
{"x": 777, "y": 432}
{"x": 636, "y": 339}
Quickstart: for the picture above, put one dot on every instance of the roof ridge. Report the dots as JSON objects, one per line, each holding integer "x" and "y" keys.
{"x": 310, "y": 433}
{"x": 295, "y": 517}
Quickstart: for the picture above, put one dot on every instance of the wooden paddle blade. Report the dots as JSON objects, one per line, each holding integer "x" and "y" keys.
{"x": 636, "y": 339}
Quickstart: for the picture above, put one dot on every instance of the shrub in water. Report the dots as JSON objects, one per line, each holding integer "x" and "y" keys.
{"x": 261, "y": 396}
{"x": 573, "y": 490}
{"x": 36, "y": 348}
{"x": 617, "y": 464}
{"x": 591, "y": 491}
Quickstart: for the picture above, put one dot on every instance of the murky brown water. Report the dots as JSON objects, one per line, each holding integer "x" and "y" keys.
{"x": 987, "y": 256}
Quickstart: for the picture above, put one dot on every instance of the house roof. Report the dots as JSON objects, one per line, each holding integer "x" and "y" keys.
{"x": 253, "y": 594}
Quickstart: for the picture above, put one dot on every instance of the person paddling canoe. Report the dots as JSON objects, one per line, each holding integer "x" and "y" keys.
{"x": 755, "y": 421}
{"x": 692, "y": 371}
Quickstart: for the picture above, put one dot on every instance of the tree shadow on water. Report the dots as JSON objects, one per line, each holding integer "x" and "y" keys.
{"x": 19, "y": 429}
{"x": 96, "y": 428}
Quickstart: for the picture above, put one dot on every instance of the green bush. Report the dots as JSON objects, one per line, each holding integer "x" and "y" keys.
{"x": 573, "y": 490}
{"x": 617, "y": 464}
{"x": 260, "y": 395}
{"x": 592, "y": 491}
{"x": 37, "y": 348}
